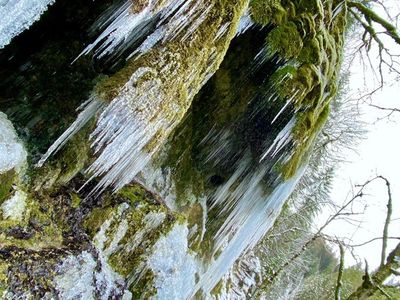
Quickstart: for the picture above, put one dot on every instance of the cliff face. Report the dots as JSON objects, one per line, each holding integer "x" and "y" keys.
{"x": 198, "y": 122}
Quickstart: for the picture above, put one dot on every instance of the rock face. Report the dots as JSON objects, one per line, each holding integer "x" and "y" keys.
{"x": 195, "y": 122}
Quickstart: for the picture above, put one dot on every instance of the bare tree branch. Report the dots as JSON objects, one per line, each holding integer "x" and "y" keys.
{"x": 372, "y": 240}
{"x": 385, "y": 108}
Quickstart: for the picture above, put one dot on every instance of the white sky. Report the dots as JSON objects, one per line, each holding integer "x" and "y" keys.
{"x": 378, "y": 154}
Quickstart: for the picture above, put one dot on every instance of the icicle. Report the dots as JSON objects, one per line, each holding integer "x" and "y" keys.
{"x": 177, "y": 19}
{"x": 222, "y": 31}
{"x": 237, "y": 283}
{"x": 282, "y": 139}
{"x": 89, "y": 109}
{"x": 123, "y": 24}
{"x": 19, "y": 15}
{"x": 245, "y": 23}
{"x": 124, "y": 129}
{"x": 284, "y": 107}
{"x": 127, "y": 24}
{"x": 255, "y": 217}
{"x": 133, "y": 126}
{"x": 150, "y": 42}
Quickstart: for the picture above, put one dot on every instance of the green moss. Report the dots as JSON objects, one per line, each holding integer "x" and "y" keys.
{"x": 136, "y": 194}
{"x": 128, "y": 211}
{"x": 267, "y": 12}
{"x": 64, "y": 165}
{"x": 203, "y": 53}
{"x": 145, "y": 289}
{"x": 314, "y": 7}
{"x": 311, "y": 53}
{"x": 127, "y": 259}
{"x": 4, "y": 266}
{"x": 7, "y": 180}
{"x": 285, "y": 40}
{"x": 96, "y": 218}
{"x": 75, "y": 200}
{"x": 305, "y": 132}
{"x": 312, "y": 41}
{"x": 44, "y": 221}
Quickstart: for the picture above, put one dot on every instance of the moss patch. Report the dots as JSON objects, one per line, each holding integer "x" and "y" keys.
{"x": 7, "y": 180}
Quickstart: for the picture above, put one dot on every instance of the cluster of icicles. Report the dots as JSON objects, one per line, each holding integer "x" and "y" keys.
{"x": 130, "y": 122}
{"x": 136, "y": 117}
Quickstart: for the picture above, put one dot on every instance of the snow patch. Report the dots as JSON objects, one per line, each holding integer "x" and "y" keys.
{"x": 12, "y": 152}
{"x": 19, "y": 15}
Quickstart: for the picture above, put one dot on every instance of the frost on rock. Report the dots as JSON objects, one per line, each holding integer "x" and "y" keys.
{"x": 83, "y": 277}
{"x": 91, "y": 277}
{"x": 174, "y": 268}
{"x": 19, "y": 15}
{"x": 12, "y": 152}
{"x": 160, "y": 181}
{"x": 14, "y": 207}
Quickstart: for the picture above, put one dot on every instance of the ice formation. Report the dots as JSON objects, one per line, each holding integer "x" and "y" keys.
{"x": 173, "y": 266}
{"x": 19, "y": 15}
{"x": 245, "y": 23}
{"x": 250, "y": 221}
{"x": 85, "y": 276}
{"x": 129, "y": 22}
{"x": 243, "y": 276}
{"x": 12, "y": 152}
{"x": 155, "y": 98}
{"x": 133, "y": 126}
{"x": 89, "y": 109}
{"x": 282, "y": 139}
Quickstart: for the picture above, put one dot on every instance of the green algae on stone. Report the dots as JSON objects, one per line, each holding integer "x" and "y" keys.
{"x": 4, "y": 267}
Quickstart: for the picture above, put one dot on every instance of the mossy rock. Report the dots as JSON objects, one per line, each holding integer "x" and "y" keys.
{"x": 311, "y": 52}
{"x": 7, "y": 180}
{"x": 125, "y": 231}
{"x": 266, "y": 12}
{"x": 285, "y": 40}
